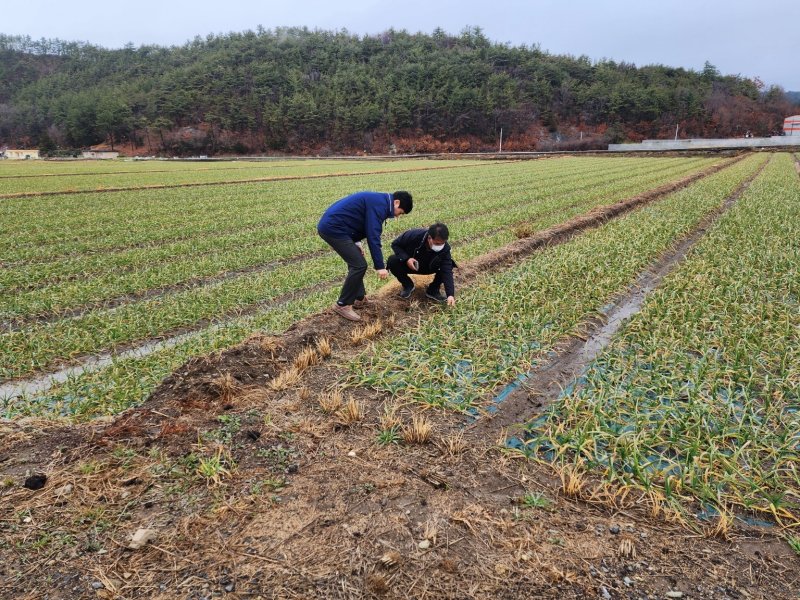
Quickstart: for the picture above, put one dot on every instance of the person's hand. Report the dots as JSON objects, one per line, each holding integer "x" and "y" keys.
{"x": 383, "y": 273}
{"x": 413, "y": 264}
{"x": 451, "y": 301}
{"x": 360, "y": 247}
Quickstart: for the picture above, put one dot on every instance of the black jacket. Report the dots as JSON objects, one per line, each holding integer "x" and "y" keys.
{"x": 414, "y": 244}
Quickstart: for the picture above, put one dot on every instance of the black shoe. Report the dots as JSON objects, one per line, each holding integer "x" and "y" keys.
{"x": 405, "y": 293}
{"x": 436, "y": 297}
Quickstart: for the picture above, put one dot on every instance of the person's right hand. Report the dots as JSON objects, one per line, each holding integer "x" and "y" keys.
{"x": 413, "y": 264}
{"x": 383, "y": 273}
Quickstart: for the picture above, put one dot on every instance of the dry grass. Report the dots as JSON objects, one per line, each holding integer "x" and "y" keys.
{"x": 366, "y": 332}
{"x": 391, "y": 559}
{"x": 308, "y": 357}
{"x": 227, "y": 388}
{"x": 453, "y": 445}
{"x": 285, "y": 380}
{"x": 308, "y": 426}
{"x": 419, "y": 431}
{"x": 324, "y": 347}
{"x": 627, "y": 549}
{"x": 431, "y": 531}
{"x": 351, "y": 412}
{"x": 571, "y": 481}
{"x": 721, "y": 528}
{"x": 303, "y": 393}
{"x": 389, "y": 419}
{"x": 522, "y": 230}
{"x": 331, "y": 401}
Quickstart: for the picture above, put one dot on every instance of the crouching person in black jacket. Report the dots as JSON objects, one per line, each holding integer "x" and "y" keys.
{"x": 424, "y": 252}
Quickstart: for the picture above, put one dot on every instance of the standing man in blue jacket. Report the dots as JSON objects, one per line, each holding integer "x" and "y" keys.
{"x": 350, "y": 220}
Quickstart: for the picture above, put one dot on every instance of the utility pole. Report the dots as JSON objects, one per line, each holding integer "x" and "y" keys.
{"x": 501, "y": 141}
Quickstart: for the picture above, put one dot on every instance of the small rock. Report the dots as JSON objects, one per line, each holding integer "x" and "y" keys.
{"x": 64, "y": 490}
{"x": 229, "y": 588}
{"x": 674, "y": 594}
{"x": 141, "y": 537}
{"x": 614, "y": 529}
{"x": 627, "y": 581}
{"x": 27, "y": 520}
{"x": 98, "y": 585}
{"x": 352, "y": 454}
{"x": 292, "y": 469}
{"x": 127, "y": 575}
{"x": 604, "y": 593}
{"x": 424, "y": 544}
{"x": 35, "y": 482}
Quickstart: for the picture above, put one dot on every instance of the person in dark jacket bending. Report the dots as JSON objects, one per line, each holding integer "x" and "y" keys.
{"x": 424, "y": 252}
{"x": 350, "y": 220}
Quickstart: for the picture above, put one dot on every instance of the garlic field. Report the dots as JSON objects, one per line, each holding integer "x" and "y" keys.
{"x": 148, "y": 278}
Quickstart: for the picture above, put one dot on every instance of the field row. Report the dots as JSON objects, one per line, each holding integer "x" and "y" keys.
{"x": 698, "y": 398}
{"x": 85, "y": 283}
{"x": 99, "y": 182}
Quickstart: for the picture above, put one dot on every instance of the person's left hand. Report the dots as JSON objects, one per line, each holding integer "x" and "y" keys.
{"x": 361, "y": 248}
{"x": 451, "y": 301}
{"x": 382, "y": 273}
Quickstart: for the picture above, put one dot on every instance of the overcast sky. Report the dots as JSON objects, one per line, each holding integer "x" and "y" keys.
{"x": 752, "y": 38}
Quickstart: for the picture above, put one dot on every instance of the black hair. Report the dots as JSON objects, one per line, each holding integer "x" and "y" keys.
{"x": 439, "y": 231}
{"x": 406, "y": 201}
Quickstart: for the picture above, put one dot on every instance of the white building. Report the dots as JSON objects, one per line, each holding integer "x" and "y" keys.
{"x": 791, "y": 125}
{"x": 99, "y": 154}
{"x": 19, "y": 154}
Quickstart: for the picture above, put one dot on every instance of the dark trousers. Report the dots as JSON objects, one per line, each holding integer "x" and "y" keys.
{"x": 353, "y": 287}
{"x": 400, "y": 269}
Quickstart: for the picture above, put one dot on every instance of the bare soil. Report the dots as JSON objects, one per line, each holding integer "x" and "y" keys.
{"x": 308, "y": 504}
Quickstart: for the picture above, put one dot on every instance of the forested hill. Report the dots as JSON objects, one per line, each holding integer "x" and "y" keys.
{"x": 296, "y": 90}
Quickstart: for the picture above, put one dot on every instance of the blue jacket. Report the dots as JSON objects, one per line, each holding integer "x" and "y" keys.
{"x": 358, "y": 216}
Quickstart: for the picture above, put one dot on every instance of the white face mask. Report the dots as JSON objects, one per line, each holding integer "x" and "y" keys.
{"x": 436, "y": 248}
